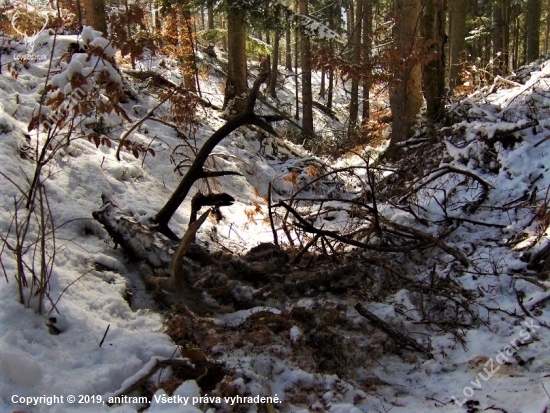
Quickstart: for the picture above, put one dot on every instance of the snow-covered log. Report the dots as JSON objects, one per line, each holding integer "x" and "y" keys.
{"x": 137, "y": 241}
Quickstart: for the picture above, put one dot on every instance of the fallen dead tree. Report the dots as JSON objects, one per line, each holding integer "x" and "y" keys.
{"x": 138, "y": 242}
{"x": 269, "y": 278}
{"x": 196, "y": 170}
{"x": 152, "y": 252}
{"x": 414, "y": 262}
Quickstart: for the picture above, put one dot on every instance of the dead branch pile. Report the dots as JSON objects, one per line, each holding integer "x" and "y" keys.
{"x": 377, "y": 258}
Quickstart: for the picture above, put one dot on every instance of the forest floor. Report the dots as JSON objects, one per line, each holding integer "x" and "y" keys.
{"x": 439, "y": 303}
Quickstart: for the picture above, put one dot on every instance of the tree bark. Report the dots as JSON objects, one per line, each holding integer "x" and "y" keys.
{"x": 354, "y": 98}
{"x": 224, "y": 38}
{"x": 79, "y": 15}
{"x": 458, "y": 42}
{"x": 506, "y": 9}
{"x": 433, "y": 71}
{"x": 274, "y": 65}
{"x": 94, "y": 12}
{"x": 534, "y": 11}
{"x": 296, "y": 78}
{"x": 322, "y": 86}
{"x": 497, "y": 38}
{"x": 350, "y": 23}
{"x": 210, "y": 9}
{"x": 185, "y": 40}
{"x": 236, "y": 86}
{"x": 333, "y": 22}
{"x": 129, "y": 32}
{"x": 330, "y": 89}
{"x": 515, "y": 43}
{"x": 288, "y": 50}
{"x": 307, "y": 95}
{"x": 366, "y": 52}
{"x": 501, "y": 36}
{"x": 406, "y": 85}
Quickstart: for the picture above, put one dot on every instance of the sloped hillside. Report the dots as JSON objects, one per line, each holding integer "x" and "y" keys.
{"x": 417, "y": 286}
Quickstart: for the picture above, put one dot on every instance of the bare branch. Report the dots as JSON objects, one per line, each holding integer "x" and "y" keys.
{"x": 393, "y": 332}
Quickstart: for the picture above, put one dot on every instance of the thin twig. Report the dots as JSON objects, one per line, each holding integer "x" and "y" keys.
{"x": 138, "y": 123}
{"x": 66, "y": 288}
{"x": 104, "y": 335}
{"x": 305, "y": 249}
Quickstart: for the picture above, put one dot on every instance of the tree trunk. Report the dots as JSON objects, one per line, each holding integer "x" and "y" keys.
{"x": 433, "y": 71}
{"x": 497, "y": 38}
{"x": 506, "y": 37}
{"x": 274, "y": 65}
{"x": 185, "y": 40}
{"x": 330, "y": 90}
{"x": 297, "y": 78}
{"x": 333, "y": 22}
{"x": 532, "y": 17}
{"x": 210, "y": 9}
{"x": 323, "y": 87}
{"x": 129, "y": 32}
{"x": 155, "y": 19}
{"x": 79, "y": 15}
{"x": 351, "y": 17}
{"x": 524, "y": 49}
{"x": 366, "y": 52}
{"x": 501, "y": 36}
{"x": 307, "y": 95}
{"x": 94, "y": 12}
{"x": 515, "y": 59}
{"x": 486, "y": 55}
{"x": 458, "y": 42}
{"x": 236, "y": 86}
{"x": 267, "y": 59}
{"x": 224, "y": 39}
{"x": 406, "y": 84}
{"x": 288, "y": 49}
{"x": 354, "y": 99}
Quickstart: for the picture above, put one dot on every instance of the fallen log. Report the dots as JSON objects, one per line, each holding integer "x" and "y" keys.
{"x": 138, "y": 242}
{"x": 143, "y": 245}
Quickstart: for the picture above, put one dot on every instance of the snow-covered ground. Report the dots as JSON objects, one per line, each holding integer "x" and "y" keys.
{"x": 502, "y": 364}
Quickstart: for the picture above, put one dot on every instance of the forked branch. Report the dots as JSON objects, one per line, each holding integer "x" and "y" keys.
{"x": 196, "y": 170}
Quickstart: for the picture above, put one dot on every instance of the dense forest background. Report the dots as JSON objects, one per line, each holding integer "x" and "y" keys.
{"x": 411, "y": 50}
{"x": 339, "y": 206}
